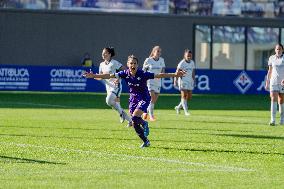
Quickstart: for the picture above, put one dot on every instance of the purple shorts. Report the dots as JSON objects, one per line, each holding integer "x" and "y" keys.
{"x": 142, "y": 105}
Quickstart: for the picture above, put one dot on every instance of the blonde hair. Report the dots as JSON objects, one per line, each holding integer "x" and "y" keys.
{"x": 153, "y": 50}
{"x": 132, "y": 57}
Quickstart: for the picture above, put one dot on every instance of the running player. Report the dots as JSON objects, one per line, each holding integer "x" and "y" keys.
{"x": 275, "y": 83}
{"x": 139, "y": 100}
{"x": 186, "y": 82}
{"x": 154, "y": 64}
{"x": 113, "y": 86}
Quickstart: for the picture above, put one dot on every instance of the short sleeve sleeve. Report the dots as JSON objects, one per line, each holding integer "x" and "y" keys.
{"x": 120, "y": 74}
{"x": 270, "y": 61}
{"x": 163, "y": 65}
{"x": 117, "y": 65}
{"x": 100, "y": 68}
{"x": 179, "y": 66}
{"x": 145, "y": 65}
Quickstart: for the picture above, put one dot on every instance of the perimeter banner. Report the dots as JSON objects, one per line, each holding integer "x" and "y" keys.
{"x": 69, "y": 79}
{"x": 135, "y": 6}
{"x": 26, "y": 4}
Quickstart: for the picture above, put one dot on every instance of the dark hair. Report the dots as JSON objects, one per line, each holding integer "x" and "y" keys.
{"x": 280, "y": 45}
{"x": 132, "y": 57}
{"x": 187, "y": 51}
{"x": 110, "y": 50}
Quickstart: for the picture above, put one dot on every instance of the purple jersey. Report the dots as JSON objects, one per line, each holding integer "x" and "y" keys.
{"x": 139, "y": 94}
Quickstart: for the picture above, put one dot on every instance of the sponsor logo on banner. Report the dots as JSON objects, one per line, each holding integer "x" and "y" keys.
{"x": 201, "y": 83}
{"x": 14, "y": 78}
{"x": 67, "y": 79}
{"x": 243, "y": 82}
{"x": 262, "y": 85}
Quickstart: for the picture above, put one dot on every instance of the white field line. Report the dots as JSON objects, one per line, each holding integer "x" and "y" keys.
{"x": 125, "y": 156}
{"x": 100, "y": 171}
{"x": 37, "y": 104}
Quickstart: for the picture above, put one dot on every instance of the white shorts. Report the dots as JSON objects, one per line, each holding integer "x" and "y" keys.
{"x": 154, "y": 88}
{"x": 116, "y": 91}
{"x": 277, "y": 88}
{"x": 185, "y": 85}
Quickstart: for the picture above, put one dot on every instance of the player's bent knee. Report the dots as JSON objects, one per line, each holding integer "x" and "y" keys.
{"x": 110, "y": 101}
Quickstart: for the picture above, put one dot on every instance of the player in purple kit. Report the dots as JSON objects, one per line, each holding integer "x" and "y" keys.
{"x": 139, "y": 100}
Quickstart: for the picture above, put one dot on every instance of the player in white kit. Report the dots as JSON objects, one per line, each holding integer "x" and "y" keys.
{"x": 275, "y": 83}
{"x": 113, "y": 86}
{"x": 186, "y": 82}
{"x": 154, "y": 64}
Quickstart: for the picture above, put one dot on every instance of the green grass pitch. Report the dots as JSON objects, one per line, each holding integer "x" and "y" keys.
{"x": 73, "y": 140}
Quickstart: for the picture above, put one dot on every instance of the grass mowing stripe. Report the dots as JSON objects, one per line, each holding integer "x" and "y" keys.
{"x": 172, "y": 161}
{"x": 38, "y": 104}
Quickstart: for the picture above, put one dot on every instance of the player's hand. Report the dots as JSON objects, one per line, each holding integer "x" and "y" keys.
{"x": 180, "y": 73}
{"x": 88, "y": 74}
{"x": 282, "y": 82}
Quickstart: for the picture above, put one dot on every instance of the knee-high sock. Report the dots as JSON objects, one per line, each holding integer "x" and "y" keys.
{"x": 139, "y": 131}
{"x": 179, "y": 106}
{"x": 127, "y": 117}
{"x": 151, "y": 109}
{"x": 273, "y": 110}
{"x": 281, "y": 111}
{"x": 141, "y": 122}
{"x": 184, "y": 104}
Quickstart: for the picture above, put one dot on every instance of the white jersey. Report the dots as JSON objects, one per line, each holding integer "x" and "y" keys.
{"x": 189, "y": 68}
{"x": 156, "y": 67}
{"x": 277, "y": 74}
{"x": 110, "y": 68}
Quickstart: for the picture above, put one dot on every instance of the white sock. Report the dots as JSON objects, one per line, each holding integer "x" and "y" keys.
{"x": 184, "y": 104}
{"x": 273, "y": 110}
{"x": 117, "y": 107}
{"x": 151, "y": 109}
{"x": 179, "y": 106}
{"x": 127, "y": 117}
{"x": 281, "y": 111}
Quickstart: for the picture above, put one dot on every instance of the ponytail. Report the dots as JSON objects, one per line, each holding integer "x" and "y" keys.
{"x": 110, "y": 50}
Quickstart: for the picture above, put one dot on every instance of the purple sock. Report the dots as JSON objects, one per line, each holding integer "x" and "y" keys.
{"x": 140, "y": 120}
{"x": 139, "y": 131}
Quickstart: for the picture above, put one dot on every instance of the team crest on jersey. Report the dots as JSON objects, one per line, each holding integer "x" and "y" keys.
{"x": 243, "y": 82}
{"x": 138, "y": 78}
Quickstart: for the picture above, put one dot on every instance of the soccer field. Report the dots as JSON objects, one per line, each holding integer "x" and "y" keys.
{"x": 73, "y": 140}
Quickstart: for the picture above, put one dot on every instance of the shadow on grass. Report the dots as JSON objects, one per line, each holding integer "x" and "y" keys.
{"x": 200, "y": 129}
{"x": 216, "y": 122}
{"x": 69, "y": 137}
{"x": 44, "y": 100}
{"x": 62, "y": 128}
{"x": 218, "y": 151}
{"x": 251, "y": 136}
{"x": 25, "y": 160}
{"x": 195, "y": 129}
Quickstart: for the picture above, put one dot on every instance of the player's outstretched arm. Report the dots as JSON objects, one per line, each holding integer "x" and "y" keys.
{"x": 178, "y": 73}
{"x": 95, "y": 76}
